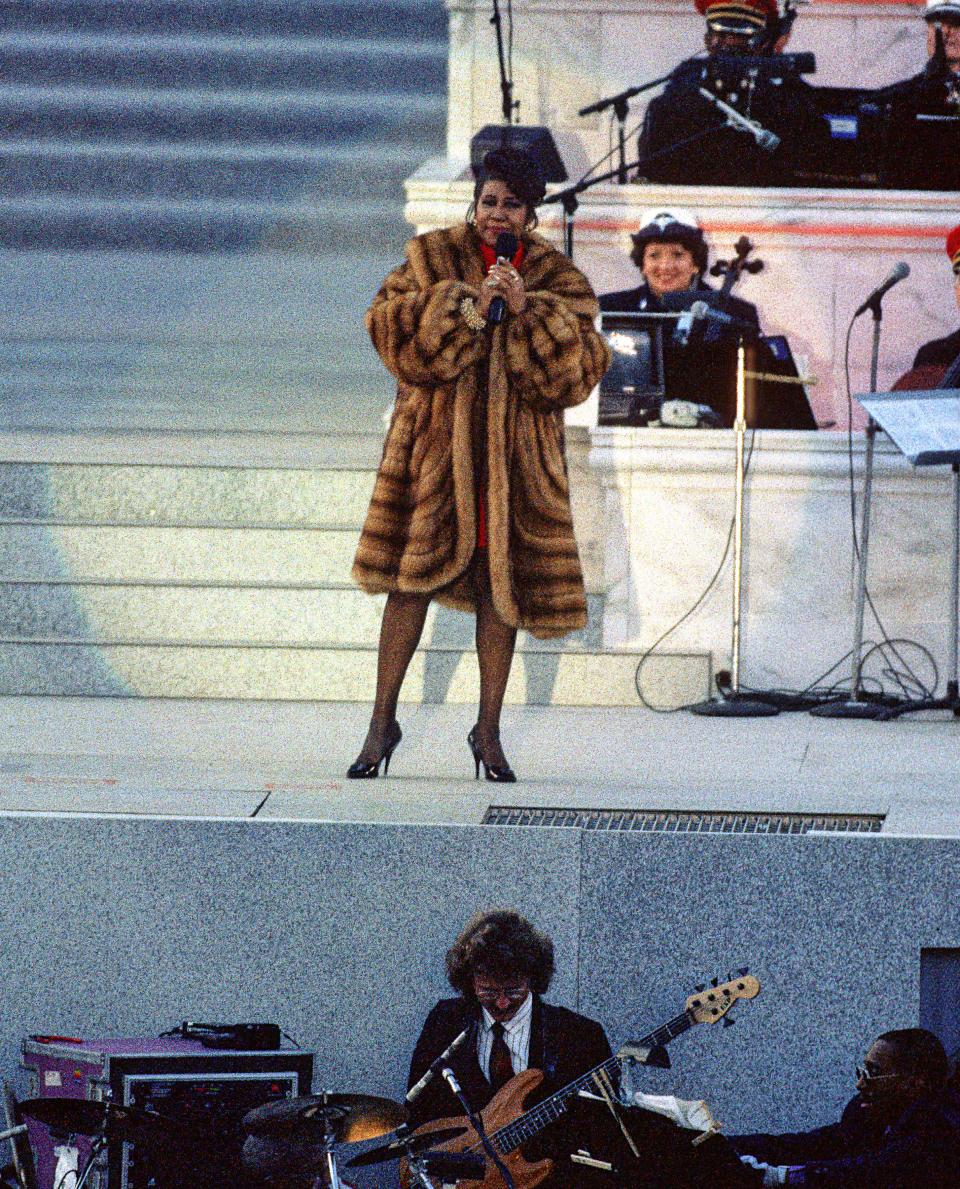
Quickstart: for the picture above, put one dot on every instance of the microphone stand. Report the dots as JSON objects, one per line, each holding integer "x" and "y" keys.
{"x": 620, "y": 104}
{"x": 734, "y": 704}
{"x": 568, "y": 198}
{"x": 507, "y": 104}
{"x": 477, "y": 1123}
{"x": 857, "y": 706}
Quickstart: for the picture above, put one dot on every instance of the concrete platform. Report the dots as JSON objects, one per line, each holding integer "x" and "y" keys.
{"x": 284, "y": 760}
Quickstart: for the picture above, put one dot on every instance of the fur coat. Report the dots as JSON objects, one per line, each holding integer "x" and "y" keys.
{"x": 420, "y": 532}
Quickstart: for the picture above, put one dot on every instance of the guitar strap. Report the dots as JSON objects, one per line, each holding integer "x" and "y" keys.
{"x": 546, "y": 1041}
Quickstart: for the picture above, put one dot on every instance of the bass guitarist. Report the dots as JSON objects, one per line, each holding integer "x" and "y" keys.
{"x": 500, "y": 965}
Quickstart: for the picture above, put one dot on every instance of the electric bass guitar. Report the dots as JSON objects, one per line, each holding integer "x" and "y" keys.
{"x": 508, "y": 1125}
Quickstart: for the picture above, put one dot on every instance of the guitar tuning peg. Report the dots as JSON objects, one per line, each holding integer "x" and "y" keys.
{"x": 714, "y": 982}
{"x": 743, "y": 970}
{"x": 728, "y": 1021}
{"x": 700, "y": 987}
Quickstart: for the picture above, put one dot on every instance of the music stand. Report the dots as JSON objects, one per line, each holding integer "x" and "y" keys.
{"x": 925, "y": 428}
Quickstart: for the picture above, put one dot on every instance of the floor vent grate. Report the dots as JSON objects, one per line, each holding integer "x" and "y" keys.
{"x": 686, "y": 822}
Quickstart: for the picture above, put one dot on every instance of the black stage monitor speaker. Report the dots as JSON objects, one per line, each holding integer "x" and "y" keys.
{"x": 536, "y": 141}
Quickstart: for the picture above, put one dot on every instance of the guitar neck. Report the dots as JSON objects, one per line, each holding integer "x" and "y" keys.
{"x": 512, "y": 1135}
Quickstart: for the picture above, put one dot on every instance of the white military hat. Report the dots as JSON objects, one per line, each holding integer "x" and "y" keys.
{"x": 942, "y": 8}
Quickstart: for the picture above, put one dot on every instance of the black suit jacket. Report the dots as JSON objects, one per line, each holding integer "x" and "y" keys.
{"x": 563, "y": 1044}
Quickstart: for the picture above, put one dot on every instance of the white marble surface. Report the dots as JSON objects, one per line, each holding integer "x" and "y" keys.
{"x": 668, "y": 508}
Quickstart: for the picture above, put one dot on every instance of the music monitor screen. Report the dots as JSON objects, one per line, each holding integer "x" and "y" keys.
{"x": 632, "y": 388}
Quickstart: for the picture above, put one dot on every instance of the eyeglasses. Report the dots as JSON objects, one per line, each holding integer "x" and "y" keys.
{"x": 487, "y": 994}
{"x": 864, "y": 1075}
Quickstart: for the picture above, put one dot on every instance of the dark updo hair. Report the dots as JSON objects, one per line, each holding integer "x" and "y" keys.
{"x": 503, "y": 946}
{"x": 517, "y": 170}
{"x": 662, "y": 232}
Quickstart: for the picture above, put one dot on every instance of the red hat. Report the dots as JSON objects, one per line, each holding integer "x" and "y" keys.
{"x": 737, "y": 16}
{"x": 953, "y": 245}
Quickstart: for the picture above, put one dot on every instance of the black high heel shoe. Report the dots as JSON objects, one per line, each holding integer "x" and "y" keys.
{"x": 362, "y": 769}
{"x": 502, "y": 774}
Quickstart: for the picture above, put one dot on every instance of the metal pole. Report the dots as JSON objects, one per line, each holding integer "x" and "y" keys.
{"x": 952, "y": 687}
{"x": 855, "y": 660}
{"x": 740, "y": 429}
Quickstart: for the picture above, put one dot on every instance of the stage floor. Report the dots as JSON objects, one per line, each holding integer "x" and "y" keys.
{"x": 285, "y": 760}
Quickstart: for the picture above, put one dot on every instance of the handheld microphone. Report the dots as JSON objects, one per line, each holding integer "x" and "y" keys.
{"x": 506, "y": 246}
{"x": 897, "y": 273}
{"x": 415, "y": 1091}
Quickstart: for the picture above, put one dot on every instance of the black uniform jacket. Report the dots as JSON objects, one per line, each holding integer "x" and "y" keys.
{"x": 704, "y": 371}
{"x": 939, "y": 352}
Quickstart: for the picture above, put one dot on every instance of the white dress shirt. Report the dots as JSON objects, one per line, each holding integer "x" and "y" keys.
{"x": 516, "y": 1035}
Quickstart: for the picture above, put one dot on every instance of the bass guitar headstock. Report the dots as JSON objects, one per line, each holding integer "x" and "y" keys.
{"x": 711, "y": 1003}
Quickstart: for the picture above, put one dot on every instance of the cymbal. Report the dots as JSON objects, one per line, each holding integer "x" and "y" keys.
{"x": 403, "y": 1147}
{"x": 351, "y": 1117}
{"x": 80, "y": 1116}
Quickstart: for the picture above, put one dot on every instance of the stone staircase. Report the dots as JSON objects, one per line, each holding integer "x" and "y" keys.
{"x": 200, "y": 580}
{"x": 198, "y": 199}
{"x": 214, "y": 124}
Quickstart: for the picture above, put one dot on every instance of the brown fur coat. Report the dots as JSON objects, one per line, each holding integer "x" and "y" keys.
{"x": 420, "y": 532}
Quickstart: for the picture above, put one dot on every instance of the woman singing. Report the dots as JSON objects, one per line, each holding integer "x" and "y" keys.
{"x": 471, "y": 504}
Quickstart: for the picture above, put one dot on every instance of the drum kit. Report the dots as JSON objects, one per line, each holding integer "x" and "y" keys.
{"x": 291, "y": 1141}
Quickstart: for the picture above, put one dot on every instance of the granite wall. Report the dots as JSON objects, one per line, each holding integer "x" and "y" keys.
{"x": 119, "y": 927}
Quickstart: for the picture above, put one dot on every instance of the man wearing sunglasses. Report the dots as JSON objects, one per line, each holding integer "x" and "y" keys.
{"x": 500, "y": 965}
{"x": 900, "y": 1131}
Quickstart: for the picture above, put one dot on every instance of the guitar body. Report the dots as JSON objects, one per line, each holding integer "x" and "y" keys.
{"x": 505, "y": 1106}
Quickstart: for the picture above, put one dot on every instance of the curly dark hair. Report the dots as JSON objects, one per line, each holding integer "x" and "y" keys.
{"x": 501, "y": 945}
{"x": 517, "y": 170}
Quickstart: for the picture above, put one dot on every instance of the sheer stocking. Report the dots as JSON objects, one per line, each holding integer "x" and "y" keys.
{"x": 400, "y": 632}
{"x": 495, "y": 646}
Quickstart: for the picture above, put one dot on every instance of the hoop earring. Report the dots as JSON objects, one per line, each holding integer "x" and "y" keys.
{"x": 533, "y": 222}
{"x": 472, "y": 214}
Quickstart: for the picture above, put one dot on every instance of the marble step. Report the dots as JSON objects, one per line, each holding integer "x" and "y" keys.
{"x": 252, "y": 116}
{"x": 196, "y": 169}
{"x": 435, "y": 675}
{"x": 187, "y": 371}
{"x": 184, "y": 496}
{"x": 40, "y": 221}
{"x": 246, "y": 616}
{"x": 264, "y": 18}
{"x": 366, "y": 66}
{"x": 176, "y": 556}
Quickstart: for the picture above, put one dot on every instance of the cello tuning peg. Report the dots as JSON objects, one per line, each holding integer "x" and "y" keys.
{"x": 700, "y": 987}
